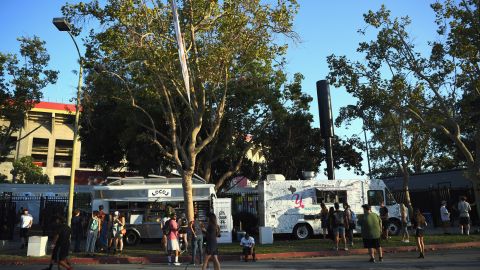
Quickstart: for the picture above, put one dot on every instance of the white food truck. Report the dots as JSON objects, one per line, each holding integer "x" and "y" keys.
{"x": 145, "y": 201}
{"x": 293, "y": 206}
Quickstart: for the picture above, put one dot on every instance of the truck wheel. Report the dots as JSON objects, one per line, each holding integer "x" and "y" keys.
{"x": 132, "y": 238}
{"x": 394, "y": 227}
{"x": 302, "y": 231}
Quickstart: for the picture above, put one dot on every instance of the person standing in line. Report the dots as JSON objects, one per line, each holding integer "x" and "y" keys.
{"x": 404, "y": 220}
{"x": 351, "y": 219}
{"x": 385, "y": 222}
{"x": 324, "y": 219}
{"x": 61, "y": 243}
{"x": 419, "y": 223}
{"x": 463, "y": 213}
{"x": 371, "y": 232}
{"x": 196, "y": 229}
{"x": 173, "y": 247}
{"x": 26, "y": 221}
{"x": 118, "y": 223}
{"x": 331, "y": 222}
{"x": 213, "y": 231}
{"x": 93, "y": 233}
{"x": 445, "y": 217}
{"x": 77, "y": 230}
{"x": 339, "y": 226}
{"x": 165, "y": 227}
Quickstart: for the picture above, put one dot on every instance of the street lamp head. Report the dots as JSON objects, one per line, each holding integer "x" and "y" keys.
{"x": 62, "y": 24}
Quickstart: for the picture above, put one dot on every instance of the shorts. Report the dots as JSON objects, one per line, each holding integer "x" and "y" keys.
{"x": 371, "y": 243}
{"x": 211, "y": 250}
{"x": 173, "y": 245}
{"x": 464, "y": 220}
{"x": 404, "y": 224}
{"x": 247, "y": 251}
{"x": 419, "y": 232}
{"x": 24, "y": 232}
{"x": 385, "y": 224}
{"x": 324, "y": 224}
{"x": 339, "y": 230}
{"x": 446, "y": 223}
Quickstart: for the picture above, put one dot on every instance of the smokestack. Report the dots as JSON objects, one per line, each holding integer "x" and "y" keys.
{"x": 326, "y": 123}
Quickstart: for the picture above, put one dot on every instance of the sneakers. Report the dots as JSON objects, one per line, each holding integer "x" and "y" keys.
{"x": 421, "y": 256}
{"x": 177, "y": 264}
{"x": 346, "y": 249}
{"x": 380, "y": 259}
{"x": 372, "y": 260}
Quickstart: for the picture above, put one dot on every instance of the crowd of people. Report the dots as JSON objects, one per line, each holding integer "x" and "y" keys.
{"x": 105, "y": 232}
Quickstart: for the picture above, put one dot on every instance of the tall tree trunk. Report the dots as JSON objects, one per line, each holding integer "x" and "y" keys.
{"x": 188, "y": 194}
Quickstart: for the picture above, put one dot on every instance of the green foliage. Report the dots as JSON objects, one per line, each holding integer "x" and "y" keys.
{"x": 24, "y": 171}
{"x": 21, "y": 83}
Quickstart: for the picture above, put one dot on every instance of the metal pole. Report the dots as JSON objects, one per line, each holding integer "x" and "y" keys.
{"x": 75, "y": 138}
{"x": 368, "y": 154}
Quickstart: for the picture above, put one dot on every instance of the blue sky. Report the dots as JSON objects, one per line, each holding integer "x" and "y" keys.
{"x": 324, "y": 27}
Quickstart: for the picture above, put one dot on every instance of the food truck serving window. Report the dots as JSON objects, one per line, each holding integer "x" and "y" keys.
{"x": 331, "y": 196}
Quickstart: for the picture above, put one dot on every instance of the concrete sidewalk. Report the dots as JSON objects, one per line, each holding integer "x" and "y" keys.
{"x": 271, "y": 256}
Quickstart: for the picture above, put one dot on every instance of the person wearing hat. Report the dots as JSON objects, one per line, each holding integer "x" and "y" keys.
{"x": 371, "y": 225}
{"x": 445, "y": 217}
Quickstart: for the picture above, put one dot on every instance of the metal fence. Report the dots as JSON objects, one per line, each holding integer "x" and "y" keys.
{"x": 428, "y": 201}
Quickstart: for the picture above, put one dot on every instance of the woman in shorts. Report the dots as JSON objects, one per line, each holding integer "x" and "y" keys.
{"x": 419, "y": 223}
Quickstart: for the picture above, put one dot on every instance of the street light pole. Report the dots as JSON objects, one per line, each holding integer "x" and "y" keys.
{"x": 62, "y": 25}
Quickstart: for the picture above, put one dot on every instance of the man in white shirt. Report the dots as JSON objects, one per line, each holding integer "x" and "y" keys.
{"x": 26, "y": 221}
{"x": 248, "y": 244}
{"x": 445, "y": 217}
{"x": 463, "y": 209}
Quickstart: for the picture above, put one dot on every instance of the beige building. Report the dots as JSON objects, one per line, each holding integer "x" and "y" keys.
{"x": 49, "y": 141}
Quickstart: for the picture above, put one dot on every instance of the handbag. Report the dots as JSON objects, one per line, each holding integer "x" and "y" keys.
{"x": 124, "y": 231}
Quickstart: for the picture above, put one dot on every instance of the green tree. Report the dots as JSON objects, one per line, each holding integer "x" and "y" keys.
{"x": 442, "y": 94}
{"x": 21, "y": 84}
{"x": 24, "y": 171}
{"x": 137, "y": 45}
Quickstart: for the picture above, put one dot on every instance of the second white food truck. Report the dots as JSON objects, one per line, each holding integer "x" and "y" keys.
{"x": 293, "y": 206}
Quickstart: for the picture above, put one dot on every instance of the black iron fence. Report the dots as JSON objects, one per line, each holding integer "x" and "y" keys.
{"x": 429, "y": 200}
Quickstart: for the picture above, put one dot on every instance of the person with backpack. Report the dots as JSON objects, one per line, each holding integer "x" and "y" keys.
{"x": 339, "y": 225}
{"x": 165, "y": 231}
{"x": 419, "y": 223}
{"x": 93, "y": 233}
{"x": 352, "y": 218}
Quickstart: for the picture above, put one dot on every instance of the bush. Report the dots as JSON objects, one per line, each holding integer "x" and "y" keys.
{"x": 24, "y": 171}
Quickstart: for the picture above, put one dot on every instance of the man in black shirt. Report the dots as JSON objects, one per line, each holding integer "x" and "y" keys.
{"x": 61, "y": 241}
{"x": 385, "y": 222}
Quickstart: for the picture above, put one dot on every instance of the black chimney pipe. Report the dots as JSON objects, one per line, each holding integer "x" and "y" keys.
{"x": 326, "y": 123}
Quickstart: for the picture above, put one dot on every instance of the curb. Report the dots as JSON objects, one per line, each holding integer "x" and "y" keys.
{"x": 268, "y": 256}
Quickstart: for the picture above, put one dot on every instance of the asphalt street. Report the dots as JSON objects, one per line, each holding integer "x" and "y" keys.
{"x": 445, "y": 259}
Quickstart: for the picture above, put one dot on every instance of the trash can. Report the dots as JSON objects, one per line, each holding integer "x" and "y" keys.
{"x": 266, "y": 235}
{"x": 37, "y": 246}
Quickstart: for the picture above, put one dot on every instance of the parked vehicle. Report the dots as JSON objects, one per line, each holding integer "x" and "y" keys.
{"x": 145, "y": 201}
{"x": 293, "y": 206}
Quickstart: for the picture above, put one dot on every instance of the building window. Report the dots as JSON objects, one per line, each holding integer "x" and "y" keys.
{"x": 63, "y": 153}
